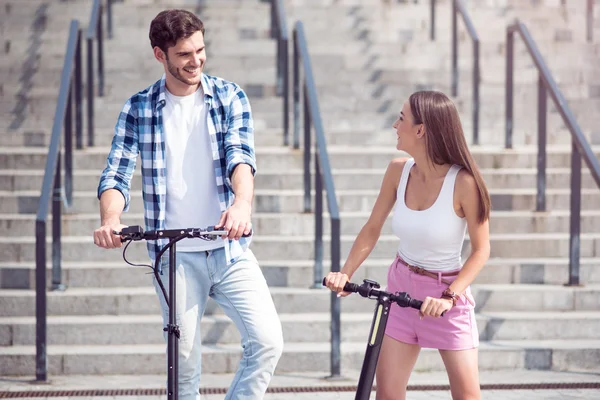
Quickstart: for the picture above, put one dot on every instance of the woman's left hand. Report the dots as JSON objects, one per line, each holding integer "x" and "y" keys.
{"x": 434, "y": 307}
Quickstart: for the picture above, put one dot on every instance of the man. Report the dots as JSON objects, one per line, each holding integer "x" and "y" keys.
{"x": 194, "y": 134}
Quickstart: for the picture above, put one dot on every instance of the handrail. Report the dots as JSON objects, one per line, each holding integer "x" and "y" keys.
{"x": 70, "y": 92}
{"x": 279, "y": 31}
{"x": 579, "y": 144}
{"x": 94, "y": 32}
{"x": 459, "y": 8}
{"x": 51, "y": 186}
{"x": 323, "y": 175}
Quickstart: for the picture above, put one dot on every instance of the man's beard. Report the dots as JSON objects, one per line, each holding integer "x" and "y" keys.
{"x": 173, "y": 70}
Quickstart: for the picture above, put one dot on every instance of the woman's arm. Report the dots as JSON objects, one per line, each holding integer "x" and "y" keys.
{"x": 479, "y": 234}
{"x": 370, "y": 232}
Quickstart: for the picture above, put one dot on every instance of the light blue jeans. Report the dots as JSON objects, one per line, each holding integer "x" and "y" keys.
{"x": 242, "y": 292}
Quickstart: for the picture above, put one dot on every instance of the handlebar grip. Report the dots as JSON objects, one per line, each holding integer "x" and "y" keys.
{"x": 348, "y": 287}
{"x": 416, "y": 304}
{"x": 351, "y": 287}
{"x": 213, "y": 228}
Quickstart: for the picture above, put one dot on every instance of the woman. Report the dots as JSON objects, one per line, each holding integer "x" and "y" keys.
{"x": 439, "y": 193}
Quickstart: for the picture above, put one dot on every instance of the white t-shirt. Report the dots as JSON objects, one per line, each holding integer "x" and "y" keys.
{"x": 192, "y": 199}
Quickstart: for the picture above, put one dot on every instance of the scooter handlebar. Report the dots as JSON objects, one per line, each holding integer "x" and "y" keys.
{"x": 368, "y": 289}
{"x": 135, "y": 232}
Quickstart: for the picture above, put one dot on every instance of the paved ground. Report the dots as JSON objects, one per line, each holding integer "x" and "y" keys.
{"x": 14, "y": 387}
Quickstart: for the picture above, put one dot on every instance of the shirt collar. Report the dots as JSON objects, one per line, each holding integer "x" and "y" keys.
{"x": 207, "y": 88}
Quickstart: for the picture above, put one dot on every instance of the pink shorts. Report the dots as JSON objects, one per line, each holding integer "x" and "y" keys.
{"x": 456, "y": 330}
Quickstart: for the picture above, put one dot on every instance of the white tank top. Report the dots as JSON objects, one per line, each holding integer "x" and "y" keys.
{"x": 431, "y": 238}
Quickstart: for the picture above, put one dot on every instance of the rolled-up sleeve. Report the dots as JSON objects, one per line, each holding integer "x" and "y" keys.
{"x": 122, "y": 157}
{"x": 239, "y": 140}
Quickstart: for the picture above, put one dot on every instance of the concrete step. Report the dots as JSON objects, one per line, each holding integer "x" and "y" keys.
{"x": 297, "y": 328}
{"x": 339, "y": 131}
{"x": 297, "y": 357}
{"x": 382, "y": 111}
{"x": 344, "y": 179}
{"x": 302, "y": 247}
{"x": 298, "y": 273}
{"x": 277, "y": 201}
{"x": 285, "y": 224}
{"x": 143, "y": 300}
{"x": 278, "y": 157}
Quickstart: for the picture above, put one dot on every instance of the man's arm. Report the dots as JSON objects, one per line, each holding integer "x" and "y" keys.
{"x": 241, "y": 166}
{"x": 112, "y": 204}
{"x": 115, "y": 181}
{"x": 236, "y": 219}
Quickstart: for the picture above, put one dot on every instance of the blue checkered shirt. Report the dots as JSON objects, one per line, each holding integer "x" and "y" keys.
{"x": 139, "y": 130}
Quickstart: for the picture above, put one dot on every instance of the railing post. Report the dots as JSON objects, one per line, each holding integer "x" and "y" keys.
{"x": 56, "y": 219}
{"x": 454, "y": 51}
{"x": 590, "y": 20}
{"x": 100, "y": 38}
{"x": 90, "y": 90}
{"x": 307, "y": 145}
{"x": 542, "y": 139}
{"x": 273, "y": 17}
{"x": 296, "y": 64}
{"x": 286, "y": 95}
{"x": 279, "y": 68}
{"x": 318, "y": 269}
{"x": 575, "y": 223}
{"x": 432, "y": 25}
{"x": 109, "y": 19}
{"x": 41, "y": 360}
{"x": 335, "y": 301}
{"x": 509, "y": 85}
{"x": 476, "y": 80}
{"x": 78, "y": 95}
{"x": 68, "y": 147}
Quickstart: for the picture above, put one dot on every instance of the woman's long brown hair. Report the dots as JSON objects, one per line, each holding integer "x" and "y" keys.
{"x": 445, "y": 139}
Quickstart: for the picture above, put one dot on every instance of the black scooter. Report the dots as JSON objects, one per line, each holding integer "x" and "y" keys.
{"x": 370, "y": 289}
{"x": 134, "y": 233}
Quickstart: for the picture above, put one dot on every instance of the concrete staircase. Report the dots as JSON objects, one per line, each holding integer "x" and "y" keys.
{"x": 368, "y": 56}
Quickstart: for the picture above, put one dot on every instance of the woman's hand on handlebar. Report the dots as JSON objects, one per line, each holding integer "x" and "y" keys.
{"x": 336, "y": 282}
{"x": 434, "y": 307}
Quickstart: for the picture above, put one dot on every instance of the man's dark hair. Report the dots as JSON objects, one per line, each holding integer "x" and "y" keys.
{"x": 171, "y": 25}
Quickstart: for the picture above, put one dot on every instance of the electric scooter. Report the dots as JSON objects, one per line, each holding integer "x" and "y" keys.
{"x": 135, "y": 233}
{"x": 370, "y": 289}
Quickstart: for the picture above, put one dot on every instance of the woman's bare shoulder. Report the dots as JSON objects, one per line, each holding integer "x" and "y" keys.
{"x": 466, "y": 185}
{"x": 397, "y": 164}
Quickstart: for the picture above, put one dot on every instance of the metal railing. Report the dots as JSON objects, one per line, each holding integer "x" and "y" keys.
{"x": 51, "y": 186}
{"x": 580, "y": 146}
{"x": 279, "y": 31}
{"x": 589, "y": 20}
{"x": 323, "y": 177}
{"x": 432, "y": 20}
{"x": 53, "y": 190}
{"x": 459, "y": 8}
{"x": 94, "y": 33}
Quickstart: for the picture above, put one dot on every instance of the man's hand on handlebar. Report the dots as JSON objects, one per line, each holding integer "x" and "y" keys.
{"x": 336, "y": 282}
{"x": 105, "y": 238}
{"x": 236, "y": 220}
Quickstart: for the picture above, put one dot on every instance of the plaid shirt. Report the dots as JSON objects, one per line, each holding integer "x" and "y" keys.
{"x": 139, "y": 130}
